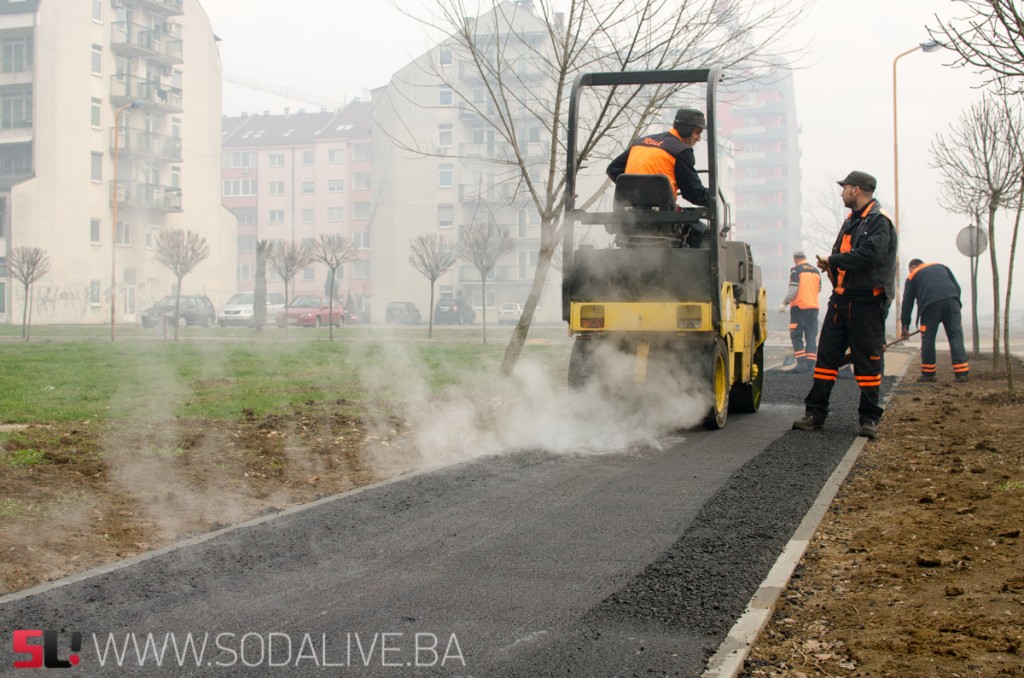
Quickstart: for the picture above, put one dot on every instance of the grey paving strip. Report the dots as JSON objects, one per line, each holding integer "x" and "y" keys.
{"x": 728, "y": 660}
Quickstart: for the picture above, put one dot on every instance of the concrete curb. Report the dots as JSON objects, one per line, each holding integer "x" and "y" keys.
{"x": 728, "y": 660}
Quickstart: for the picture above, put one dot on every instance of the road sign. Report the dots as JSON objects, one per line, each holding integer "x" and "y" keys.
{"x": 971, "y": 241}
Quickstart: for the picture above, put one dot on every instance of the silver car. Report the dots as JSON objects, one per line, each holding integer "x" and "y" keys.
{"x": 238, "y": 309}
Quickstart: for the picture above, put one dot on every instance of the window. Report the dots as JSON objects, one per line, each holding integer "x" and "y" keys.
{"x": 308, "y": 157}
{"x": 335, "y": 185}
{"x": 445, "y": 96}
{"x": 3, "y": 297}
{"x": 446, "y": 57}
{"x": 96, "y": 168}
{"x": 361, "y": 239}
{"x": 124, "y": 233}
{"x": 16, "y": 106}
{"x": 308, "y": 186}
{"x": 361, "y": 269}
{"x": 362, "y": 210}
{"x": 276, "y": 159}
{"x": 246, "y": 244}
{"x": 445, "y": 216}
{"x": 444, "y": 135}
{"x": 94, "y": 292}
{"x": 361, "y": 152}
{"x": 277, "y": 216}
{"x": 445, "y": 175}
{"x": 335, "y": 214}
{"x": 94, "y": 231}
{"x": 361, "y": 181}
{"x": 239, "y": 187}
{"x": 245, "y": 272}
{"x": 245, "y": 216}
{"x": 97, "y": 10}
{"x": 95, "y": 118}
{"x": 17, "y": 54}
{"x": 240, "y": 159}
{"x": 308, "y": 216}
{"x": 335, "y": 155}
{"x": 152, "y": 234}
{"x": 309, "y": 273}
{"x": 276, "y": 188}
{"x": 97, "y": 60}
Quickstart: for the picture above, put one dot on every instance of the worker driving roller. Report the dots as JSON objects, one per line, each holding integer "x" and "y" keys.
{"x": 670, "y": 154}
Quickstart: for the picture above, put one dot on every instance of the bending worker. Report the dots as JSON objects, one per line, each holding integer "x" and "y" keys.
{"x": 937, "y": 294}
{"x": 862, "y": 269}
{"x": 669, "y": 153}
{"x": 802, "y": 301}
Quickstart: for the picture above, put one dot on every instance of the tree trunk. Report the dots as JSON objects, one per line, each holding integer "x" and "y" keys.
{"x": 518, "y": 338}
{"x": 24, "y": 316}
{"x": 259, "y": 295}
{"x": 1009, "y": 287}
{"x": 430, "y": 312}
{"x": 177, "y": 310}
{"x": 483, "y": 302}
{"x": 330, "y": 304}
{"x": 995, "y": 285}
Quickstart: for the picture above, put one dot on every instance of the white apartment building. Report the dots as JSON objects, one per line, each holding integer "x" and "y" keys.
{"x": 294, "y": 176}
{"x": 68, "y": 68}
{"x": 436, "y": 172}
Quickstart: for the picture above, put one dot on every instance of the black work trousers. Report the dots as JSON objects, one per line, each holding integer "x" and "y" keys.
{"x": 945, "y": 312}
{"x": 857, "y": 325}
{"x": 803, "y": 333}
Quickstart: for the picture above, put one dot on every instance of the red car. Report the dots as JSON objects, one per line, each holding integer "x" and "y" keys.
{"x": 311, "y": 311}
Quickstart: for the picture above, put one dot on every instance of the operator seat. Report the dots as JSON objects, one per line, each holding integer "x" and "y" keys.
{"x": 639, "y": 196}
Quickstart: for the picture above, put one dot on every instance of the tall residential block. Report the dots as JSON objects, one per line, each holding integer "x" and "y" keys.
{"x": 109, "y": 134}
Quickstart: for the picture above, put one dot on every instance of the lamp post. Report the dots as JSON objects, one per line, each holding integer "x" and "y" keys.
{"x": 930, "y": 46}
{"x": 135, "y": 103}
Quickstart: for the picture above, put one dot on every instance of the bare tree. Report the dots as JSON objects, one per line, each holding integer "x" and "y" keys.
{"x": 334, "y": 251}
{"x": 526, "y": 55}
{"x": 989, "y": 37}
{"x": 180, "y": 251}
{"x": 259, "y": 294}
{"x": 824, "y": 213}
{"x": 27, "y": 265}
{"x": 286, "y": 259}
{"x": 432, "y": 255}
{"x": 1015, "y": 127}
{"x": 483, "y": 245}
{"x": 978, "y": 165}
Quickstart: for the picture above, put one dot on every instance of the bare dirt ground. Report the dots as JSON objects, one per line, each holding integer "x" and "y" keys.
{"x": 918, "y": 569}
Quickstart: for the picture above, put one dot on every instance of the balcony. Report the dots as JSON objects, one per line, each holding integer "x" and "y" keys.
{"x": 166, "y": 7}
{"x": 499, "y": 193}
{"x": 142, "y": 143}
{"x": 145, "y": 41}
{"x": 146, "y": 196}
{"x": 154, "y": 94}
{"x": 15, "y": 71}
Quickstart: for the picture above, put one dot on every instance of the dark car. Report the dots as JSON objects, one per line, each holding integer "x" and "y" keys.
{"x": 193, "y": 310}
{"x": 454, "y": 312}
{"x": 402, "y": 313}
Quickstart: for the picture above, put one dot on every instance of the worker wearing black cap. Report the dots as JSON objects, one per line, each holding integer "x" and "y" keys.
{"x": 861, "y": 268}
{"x": 669, "y": 153}
{"x": 802, "y": 302}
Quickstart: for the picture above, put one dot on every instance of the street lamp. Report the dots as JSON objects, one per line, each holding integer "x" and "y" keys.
{"x": 930, "y": 46}
{"x": 135, "y": 103}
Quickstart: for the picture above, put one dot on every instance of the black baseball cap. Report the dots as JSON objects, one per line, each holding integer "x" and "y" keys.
{"x": 861, "y": 180}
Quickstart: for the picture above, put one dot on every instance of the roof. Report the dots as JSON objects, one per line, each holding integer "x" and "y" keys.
{"x": 296, "y": 129}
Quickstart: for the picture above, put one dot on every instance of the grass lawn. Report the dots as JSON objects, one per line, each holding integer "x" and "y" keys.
{"x": 74, "y": 373}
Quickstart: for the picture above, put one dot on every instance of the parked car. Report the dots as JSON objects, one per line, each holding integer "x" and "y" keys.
{"x": 402, "y": 313}
{"x": 238, "y": 310}
{"x": 193, "y": 310}
{"x": 509, "y": 314}
{"x": 311, "y": 311}
{"x": 454, "y": 311}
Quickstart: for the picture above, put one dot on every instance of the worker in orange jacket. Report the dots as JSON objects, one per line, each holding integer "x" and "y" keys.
{"x": 802, "y": 302}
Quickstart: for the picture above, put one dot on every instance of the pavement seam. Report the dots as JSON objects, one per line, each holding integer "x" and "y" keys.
{"x": 731, "y": 655}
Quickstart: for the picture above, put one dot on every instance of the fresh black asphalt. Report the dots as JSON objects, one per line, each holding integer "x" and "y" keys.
{"x": 532, "y": 564}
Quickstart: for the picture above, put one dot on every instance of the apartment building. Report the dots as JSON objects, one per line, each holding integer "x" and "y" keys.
{"x": 294, "y": 176}
{"x": 442, "y": 167}
{"x": 763, "y": 126}
{"x": 108, "y": 98}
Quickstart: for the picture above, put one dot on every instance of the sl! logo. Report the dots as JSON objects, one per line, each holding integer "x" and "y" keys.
{"x": 46, "y": 654}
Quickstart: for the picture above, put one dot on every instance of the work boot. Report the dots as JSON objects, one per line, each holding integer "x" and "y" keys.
{"x": 808, "y": 423}
{"x": 869, "y": 429}
{"x": 927, "y": 379}
{"x": 962, "y": 377}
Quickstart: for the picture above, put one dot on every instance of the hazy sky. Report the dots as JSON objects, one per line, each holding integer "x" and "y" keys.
{"x": 339, "y": 49}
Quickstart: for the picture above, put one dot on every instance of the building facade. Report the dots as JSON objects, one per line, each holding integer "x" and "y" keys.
{"x": 293, "y": 177}
{"x": 763, "y": 126}
{"x": 110, "y": 134}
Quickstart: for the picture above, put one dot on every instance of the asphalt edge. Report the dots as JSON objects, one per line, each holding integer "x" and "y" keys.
{"x": 729, "y": 659}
